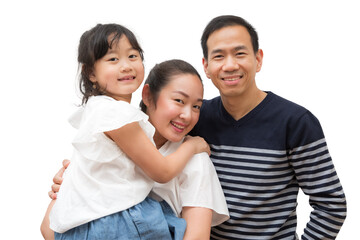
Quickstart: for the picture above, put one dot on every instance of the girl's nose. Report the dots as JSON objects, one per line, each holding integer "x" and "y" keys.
{"x": 125, "y": 66}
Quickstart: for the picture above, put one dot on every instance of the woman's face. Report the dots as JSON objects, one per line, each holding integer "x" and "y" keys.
{"x": 177, "y": 108}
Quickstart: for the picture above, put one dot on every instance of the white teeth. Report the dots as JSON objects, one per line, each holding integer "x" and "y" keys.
{"x": 128, "y": 78}
{"x": 177, "y": 125}
{"x": 232, "y": 79}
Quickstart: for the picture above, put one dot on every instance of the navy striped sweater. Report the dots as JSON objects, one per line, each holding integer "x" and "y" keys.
{"x": 262, "y": 160}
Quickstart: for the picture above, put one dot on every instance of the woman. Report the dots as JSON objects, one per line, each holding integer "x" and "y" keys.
{"x": 172, "y": 97}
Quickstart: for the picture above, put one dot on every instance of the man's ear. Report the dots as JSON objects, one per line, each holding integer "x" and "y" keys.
{"x": 146, "y": 95}
{"x": 259, "y": 60}
{"x": 205, "y": 65}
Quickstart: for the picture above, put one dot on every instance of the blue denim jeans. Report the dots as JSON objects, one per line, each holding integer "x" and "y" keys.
{"x": 146, "y": 220}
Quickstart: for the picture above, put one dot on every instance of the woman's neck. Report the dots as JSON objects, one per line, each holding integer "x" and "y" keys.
{"x": 159, "y": 140}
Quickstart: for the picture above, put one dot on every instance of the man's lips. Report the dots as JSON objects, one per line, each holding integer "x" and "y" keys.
{"x": 232, "y": 78}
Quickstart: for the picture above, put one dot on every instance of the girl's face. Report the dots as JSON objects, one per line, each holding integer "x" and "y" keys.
{"x": 120, "y": 72}
{"x": 177, "y": 108}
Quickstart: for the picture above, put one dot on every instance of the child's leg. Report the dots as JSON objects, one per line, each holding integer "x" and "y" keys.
{"x": 177, "y": 226}
{"x": 145, "y": 221}
{"x": 150, "y": 220}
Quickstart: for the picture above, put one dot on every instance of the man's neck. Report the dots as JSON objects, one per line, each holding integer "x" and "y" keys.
{"x": 241, "y": 105}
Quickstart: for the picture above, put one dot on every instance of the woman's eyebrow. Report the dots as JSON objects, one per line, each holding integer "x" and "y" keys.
{"x": 186, "y": 95}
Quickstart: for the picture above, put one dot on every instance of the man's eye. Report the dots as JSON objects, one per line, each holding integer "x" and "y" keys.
{"x": 218, "y": 56}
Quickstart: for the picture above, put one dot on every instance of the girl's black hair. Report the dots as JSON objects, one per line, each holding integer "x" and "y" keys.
{"x": 161, "y": 74}
{"x": 93, "y": 45}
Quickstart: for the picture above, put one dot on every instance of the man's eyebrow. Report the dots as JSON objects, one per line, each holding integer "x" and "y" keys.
{"x": 241, "y": 47}
{"x": 186, "y": 95}
{"x": 215, "y": 51}
{"x": 237, "y": 48}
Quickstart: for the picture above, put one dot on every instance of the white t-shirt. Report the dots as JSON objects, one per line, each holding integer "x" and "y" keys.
{"x": 101, "y": 179}
{"x": 196, "y": 186}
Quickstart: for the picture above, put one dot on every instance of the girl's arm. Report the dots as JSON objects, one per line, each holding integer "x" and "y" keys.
{"x": 133, "y": 141}
{"x": 198, "y": 221}
{"x": 47, "y": 233}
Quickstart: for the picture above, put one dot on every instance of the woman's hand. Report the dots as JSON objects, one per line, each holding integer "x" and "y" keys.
{"x": 58, "y": 178}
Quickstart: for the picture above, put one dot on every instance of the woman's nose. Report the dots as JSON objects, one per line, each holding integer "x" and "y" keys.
{"x": 186, "y": 114}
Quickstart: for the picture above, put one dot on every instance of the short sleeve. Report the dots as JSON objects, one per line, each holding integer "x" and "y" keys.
{"x": 103, "y": 114}
{"x": 200, "y": 187}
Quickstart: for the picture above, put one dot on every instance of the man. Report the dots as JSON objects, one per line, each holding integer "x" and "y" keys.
{"x": 263, "y": 147}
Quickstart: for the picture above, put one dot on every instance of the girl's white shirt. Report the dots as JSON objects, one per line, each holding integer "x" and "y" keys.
{"x": 196, "y": 186}
{"x": 101, "y": 179}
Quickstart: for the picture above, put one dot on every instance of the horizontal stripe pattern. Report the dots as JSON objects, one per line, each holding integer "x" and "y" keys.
{"x": 261, "y": 188}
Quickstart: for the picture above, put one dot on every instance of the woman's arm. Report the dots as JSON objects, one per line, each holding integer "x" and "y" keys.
{"x": 47, "y": 233}
{"x": 132, "y": 140}
{"x": 198, "y": 221}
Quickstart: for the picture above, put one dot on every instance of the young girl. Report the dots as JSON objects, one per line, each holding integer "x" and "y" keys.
{"x": 115, "y": 162}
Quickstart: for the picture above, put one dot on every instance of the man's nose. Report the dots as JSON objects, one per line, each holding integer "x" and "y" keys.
{"x": 230, "y": 64}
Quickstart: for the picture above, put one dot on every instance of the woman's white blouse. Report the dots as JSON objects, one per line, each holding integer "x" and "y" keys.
{"x": 196, "y": 186}
{"x": 101, "y": 179}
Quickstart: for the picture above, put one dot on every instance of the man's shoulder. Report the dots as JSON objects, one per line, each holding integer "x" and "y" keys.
{"x": 284, "y": 105}
{"x": 212, "y": 103}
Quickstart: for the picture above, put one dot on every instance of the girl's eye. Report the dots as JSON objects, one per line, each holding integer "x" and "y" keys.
{"x": 113, "y": 59}
{"x": 133, "y": 56}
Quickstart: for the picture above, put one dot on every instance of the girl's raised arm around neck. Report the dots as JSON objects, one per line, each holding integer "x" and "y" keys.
{"x": 132, "y": 140}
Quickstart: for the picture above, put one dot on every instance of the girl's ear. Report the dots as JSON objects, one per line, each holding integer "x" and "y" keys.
{"x": 92, "y": 77}
{"x": 146, "y": 95}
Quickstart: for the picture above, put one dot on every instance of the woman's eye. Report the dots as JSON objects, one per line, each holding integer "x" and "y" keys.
{"x": 197, "y": 107}
{"x": 179, "y": 101}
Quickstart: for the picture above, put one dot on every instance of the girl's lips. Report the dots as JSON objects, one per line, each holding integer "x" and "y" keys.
{"x": 126, "y": 78}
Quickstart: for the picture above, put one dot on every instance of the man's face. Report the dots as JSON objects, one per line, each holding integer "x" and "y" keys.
{"x": 232, "y": 64}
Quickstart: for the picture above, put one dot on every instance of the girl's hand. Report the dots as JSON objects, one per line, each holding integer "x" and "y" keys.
{"x": 58, "y": 178}
{"x": 199, "y": 143}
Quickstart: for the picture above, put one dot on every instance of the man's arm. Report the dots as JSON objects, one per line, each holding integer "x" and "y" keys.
{"x": 318, "y": 179}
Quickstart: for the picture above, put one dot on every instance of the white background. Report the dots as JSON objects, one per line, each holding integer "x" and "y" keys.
{"x": 311, "y": 56}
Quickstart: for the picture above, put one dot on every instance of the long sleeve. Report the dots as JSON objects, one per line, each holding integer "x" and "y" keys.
{"x": 316, "y": 175}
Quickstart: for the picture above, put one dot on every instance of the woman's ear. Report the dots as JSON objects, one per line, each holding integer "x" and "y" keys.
{"x": 146, "y": 95}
